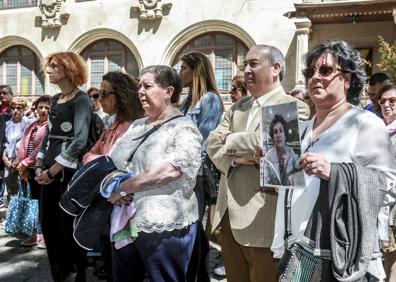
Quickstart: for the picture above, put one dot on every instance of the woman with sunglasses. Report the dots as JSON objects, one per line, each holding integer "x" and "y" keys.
{"x": 13, "y": 135}
{"x": 120, "y": 102}
{"x": 28, "y": 148}
{"x": 94, "y": 94}
{"x": 238, "y": 88}
{"x": 60, "y": 154}
{"x": 344, "y": 145}
{"x": 386, "y": 98}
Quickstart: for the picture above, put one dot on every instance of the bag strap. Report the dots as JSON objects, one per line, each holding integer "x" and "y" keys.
{"x": 147, "y": 134}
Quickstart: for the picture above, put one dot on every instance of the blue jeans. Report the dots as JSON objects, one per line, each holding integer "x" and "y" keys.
{"x": 164, "y": 256}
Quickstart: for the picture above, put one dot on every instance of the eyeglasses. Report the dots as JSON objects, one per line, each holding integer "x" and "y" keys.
{"x": 324, "y": 71}
{"x": 104, "y": 94}
{"x": 391, "y": 100}
{"x": 17, "y": 108}
{"x": 95, "y": 96}
{"x": 234, "y": 89}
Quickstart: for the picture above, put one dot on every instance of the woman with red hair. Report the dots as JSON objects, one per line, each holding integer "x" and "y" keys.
{"x": 62, "y": 149}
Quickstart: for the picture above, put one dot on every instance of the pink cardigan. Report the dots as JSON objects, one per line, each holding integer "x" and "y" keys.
{"x": 22, "y": 156}
{"x": 109, "y": 136}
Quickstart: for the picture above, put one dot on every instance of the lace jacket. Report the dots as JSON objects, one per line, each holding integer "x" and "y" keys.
{"x": 173, "y": 205}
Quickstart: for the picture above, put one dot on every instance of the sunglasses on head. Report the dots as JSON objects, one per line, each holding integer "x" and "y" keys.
{"x": 391, "y": 100}
{"x": 324, "y": 71}
{"x": 104, "y": 93}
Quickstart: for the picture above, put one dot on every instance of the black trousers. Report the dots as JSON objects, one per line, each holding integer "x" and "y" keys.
{"x": 64, "y": 255}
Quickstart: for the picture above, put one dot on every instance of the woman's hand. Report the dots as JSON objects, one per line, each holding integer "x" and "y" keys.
{"x": 116, "y": 198}
{"x": 43, "y": 178}
{"x": 22, "y": 171}
{"x": 7, "y": 161}
{"x": 315, "y": 164}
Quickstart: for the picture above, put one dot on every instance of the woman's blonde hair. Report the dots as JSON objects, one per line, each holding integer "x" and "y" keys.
{"x": 203, "y": 79}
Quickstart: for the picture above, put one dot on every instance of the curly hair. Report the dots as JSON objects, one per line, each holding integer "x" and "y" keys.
{"x": 278, "y": 118}
{"x": 128, "y": 106}
{"x": 166, "y": 76}
{"x": 42, "y": 99}
{"x": 350, "y": 62}
{"x": 74, "y": 65}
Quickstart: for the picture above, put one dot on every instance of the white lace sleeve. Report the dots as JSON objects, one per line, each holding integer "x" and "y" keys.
{"x": 184, "y": 150}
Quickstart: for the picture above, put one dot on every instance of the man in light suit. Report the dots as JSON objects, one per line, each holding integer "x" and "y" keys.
{"x": 245, "y": 212}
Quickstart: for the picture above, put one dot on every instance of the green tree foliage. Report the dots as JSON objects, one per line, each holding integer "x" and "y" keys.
{"x": 387, "y": 58}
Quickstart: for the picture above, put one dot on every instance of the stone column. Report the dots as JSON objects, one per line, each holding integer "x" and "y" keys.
{"x": 394, "y": 15}
{"x": 302, "y": 32}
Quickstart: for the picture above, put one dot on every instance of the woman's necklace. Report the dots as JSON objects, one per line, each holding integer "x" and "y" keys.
{"x": 68, "y": 95}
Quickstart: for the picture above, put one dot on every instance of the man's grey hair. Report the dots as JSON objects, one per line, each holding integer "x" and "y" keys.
{"x": 9, "y": 88}
{"x": 274, "y": 55}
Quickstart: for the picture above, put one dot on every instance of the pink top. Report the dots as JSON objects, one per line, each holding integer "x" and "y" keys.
{"x": 107, "y": 140}
{"x": 24, "y": 144}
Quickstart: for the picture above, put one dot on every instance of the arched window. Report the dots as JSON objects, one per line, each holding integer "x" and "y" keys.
{"x": 108, "y": 55}
{"x": 20, "y": 68}
{"x": 4, "y": 4}
{"x": 225, "y": 51}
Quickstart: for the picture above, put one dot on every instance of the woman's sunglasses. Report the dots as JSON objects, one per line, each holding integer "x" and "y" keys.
{"x": 324, "y": 71}
{"x": 104, "y": 94}
{"x": 234, "y": 89}
{"x": 391, "y": 100}
{"x": 95, "y": 96}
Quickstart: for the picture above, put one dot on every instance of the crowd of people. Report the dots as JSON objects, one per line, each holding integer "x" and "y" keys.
{"x": 147, "y": 174}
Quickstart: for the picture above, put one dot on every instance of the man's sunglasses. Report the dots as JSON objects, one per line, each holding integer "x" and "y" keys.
{"x": 391, "y": 100}
{"x": 17, "y": 108}
{"x": 324, "y": 71}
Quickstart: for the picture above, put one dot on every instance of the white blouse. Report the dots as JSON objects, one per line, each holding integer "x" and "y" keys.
{"x": 358, "y": 137}
{"x": 173, "y": 205}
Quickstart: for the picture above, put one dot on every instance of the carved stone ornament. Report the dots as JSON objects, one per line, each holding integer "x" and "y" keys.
{"x": 151, "y": 9}
{"x": 51, "y": 11}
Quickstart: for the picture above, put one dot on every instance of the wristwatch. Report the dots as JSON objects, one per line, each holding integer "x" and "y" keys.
{"x": 123, "y": 193}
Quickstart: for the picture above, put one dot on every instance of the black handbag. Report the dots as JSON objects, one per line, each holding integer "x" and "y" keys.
{"x": 211, "y": 179}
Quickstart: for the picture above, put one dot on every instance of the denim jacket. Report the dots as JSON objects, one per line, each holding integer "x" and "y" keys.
{"x": 206, "y": 115}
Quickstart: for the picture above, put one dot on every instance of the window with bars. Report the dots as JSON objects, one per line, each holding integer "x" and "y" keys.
{"x": 226, "y": 53}
{"x": 108, "y": 55}
{"x": 20, "y": 68}
{"x": 8, "y": 4}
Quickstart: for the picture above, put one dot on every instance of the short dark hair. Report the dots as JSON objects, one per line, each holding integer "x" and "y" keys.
{"x": 42, "y": 99}
{"x": 277, "y": 118}
{"x": 349, "y": 60}
{"x": 128, "y": 106}
{"x": 8, "y": 87}
{"x": 378, "y": 77}
{"x": 384, "y": 89}
{"x": 166, "y": 76}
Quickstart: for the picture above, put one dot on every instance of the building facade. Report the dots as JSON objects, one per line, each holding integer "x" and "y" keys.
{"x": 128, "y": 35}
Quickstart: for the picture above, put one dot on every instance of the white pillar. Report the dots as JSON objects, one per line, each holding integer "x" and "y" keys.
{"x": 303, "y": 25}
{"x": 394, "y": 15}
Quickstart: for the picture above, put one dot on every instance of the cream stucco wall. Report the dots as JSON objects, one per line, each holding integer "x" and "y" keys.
{"x": 151, "y": 42}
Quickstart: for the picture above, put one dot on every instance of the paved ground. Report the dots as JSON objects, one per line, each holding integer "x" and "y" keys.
{"x": 19, "y": 263}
